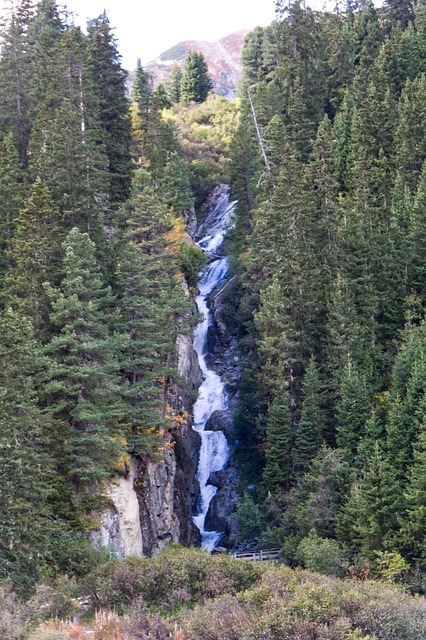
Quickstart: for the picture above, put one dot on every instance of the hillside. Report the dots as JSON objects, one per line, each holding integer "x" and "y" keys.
{"x": 223, "y": 60}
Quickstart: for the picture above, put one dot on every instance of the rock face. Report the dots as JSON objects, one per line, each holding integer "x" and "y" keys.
{"x": 119, "y": 528}
{"x": 167, "y": 490}
{"x": 223, "y": 59}
{"x": 223, "y": 503}
{"x": 223, "y": 358}
{"x": 154, "y": 503}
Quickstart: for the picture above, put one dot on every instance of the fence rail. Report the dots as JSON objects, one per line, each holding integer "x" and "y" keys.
{"x": 258, "y": 556}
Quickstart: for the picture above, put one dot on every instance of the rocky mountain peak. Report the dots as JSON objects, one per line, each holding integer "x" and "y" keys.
{"x": 223, "y": 59}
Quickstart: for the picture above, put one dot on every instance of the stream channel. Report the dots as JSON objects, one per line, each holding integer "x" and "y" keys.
{"x": 212, "y": 395}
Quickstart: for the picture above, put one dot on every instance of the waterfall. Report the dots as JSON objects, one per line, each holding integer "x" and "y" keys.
{"x": 212, "y": 396}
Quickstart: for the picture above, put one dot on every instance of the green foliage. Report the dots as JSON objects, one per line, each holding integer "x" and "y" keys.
{"x": 108, "y": 78}
{"x": 141, "y": 92}
{"x": 250, "y": 519}
{"x": 390, "y": 565}
{"x": 195, "y": 83}
{"x": 191, "y": 261}
{"x": 174, "y": 578}
{"x": 279, "y": 436}
{"x": 173, "y": 84}
{"x": 84, "y": 383}
{"x": 35, "y": 257}
{"x": 27, "y": 465}
{"x": 205, "y": 134}
{"x": 12, "y": 190}
{"x": 322, "y": 555}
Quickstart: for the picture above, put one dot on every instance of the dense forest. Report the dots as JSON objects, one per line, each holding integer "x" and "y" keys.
{"x": 93, "y": 260}
{"x": 328, "y": 166}
{"x": 325, "y": 152}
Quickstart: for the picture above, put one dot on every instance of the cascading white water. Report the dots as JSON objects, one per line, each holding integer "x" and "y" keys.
{"x": 212, "y": 395}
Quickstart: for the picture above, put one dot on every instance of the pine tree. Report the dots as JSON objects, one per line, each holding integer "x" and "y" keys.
{"x": 417, "y": 273}
{"x": 410, "y": 145}
{"x": 141, "y": 91}
{"x": 26, "y": 465}
{"x": 16, "y": 80}
{"x": 173, "y": 84}
{"x": 174, "y": 185}
{"x": 12, "y": 192}
{"x": 108, "y": 78}
{"x": 196, "y": 82}
{"x": 399, "y": 11}
{"x": 369, "y": 520}
{"x": 310, "y": 430}
{"x": 158, "y": 141}
{"x": 405, "y": 413}
{"x": 66, "y": 142}
{"x": 154, "y": 306}
{"x": 279, "y": 442}
{"x": 35, "y": 258}
{"x": 291, "y": 307}
{"x": 352, "y": 411}
{"x": 413, "y": 530}
{"x": 84, "y": 382}
{"x": 315, "y": 502}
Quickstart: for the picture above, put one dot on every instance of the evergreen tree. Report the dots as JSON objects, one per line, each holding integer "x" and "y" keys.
{"x": 12, "y": 192}
{"x": 16, "y": 79}
{"x": 35, "y": 258}
{"x": 410, "y": 145}
{"x": 158, "y": 141}
{"x": 173, "y": 84}
{"x": 405, "y": 414}
{"x": 417, "y": 274}
{"x": 310, "y": 430}
{"x": 315, "y": 502}
{"x": 291, "y": 306}
{"x": 84, "y": 383}
{"x": 369, "y": 520}
{"x": 154, "y": 306}
{"x": 66, "y": 142}
{"x": 352, "y": 411}
{"x": 26, "y": 465}
{"x": 108, "y": 78}
{"x": 141, "y": 91}
{"x": 196, "y": 82}
{"x": 174, "y": 185}
{"x": 413, "y": 530}
{"x": 279, "y": 442}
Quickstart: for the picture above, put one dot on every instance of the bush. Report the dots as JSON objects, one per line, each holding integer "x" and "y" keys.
{"x": 175, "y": 577}
{"x": 191, "y": 259}
{"x": 322, "y": 555}
{"x": 15, "y": 617}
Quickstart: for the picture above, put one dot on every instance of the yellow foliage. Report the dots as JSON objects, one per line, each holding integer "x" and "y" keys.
{"x": 123, "y": 464}
{"x": 177, "y": 419}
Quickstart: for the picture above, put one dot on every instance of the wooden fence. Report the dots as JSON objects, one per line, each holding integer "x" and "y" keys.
{"x": 258, "y": 556}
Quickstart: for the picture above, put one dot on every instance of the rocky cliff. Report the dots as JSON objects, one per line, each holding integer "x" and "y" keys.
{"x": 152, "y": 504}
{"x": 223, "y": 60}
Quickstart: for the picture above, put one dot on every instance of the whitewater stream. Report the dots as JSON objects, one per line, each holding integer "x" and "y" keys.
{"x": 212, "y": 396}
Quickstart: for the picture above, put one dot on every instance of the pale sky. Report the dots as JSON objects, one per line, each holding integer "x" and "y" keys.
{"x": 146, "y": 28}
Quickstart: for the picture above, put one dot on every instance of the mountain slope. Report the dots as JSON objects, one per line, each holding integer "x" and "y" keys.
{"x": 223, "y": 60}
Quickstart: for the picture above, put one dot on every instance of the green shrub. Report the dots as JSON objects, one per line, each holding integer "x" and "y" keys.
{"x": 322, "y": 555}
{"x": 192, "y": 259}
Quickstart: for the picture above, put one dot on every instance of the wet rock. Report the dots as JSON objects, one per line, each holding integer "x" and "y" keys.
{"x": 223, "y": 503}
{"x": 191, "y": 224}
{"x": 188, "y": 366}
{"x": 220, "y": 421}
